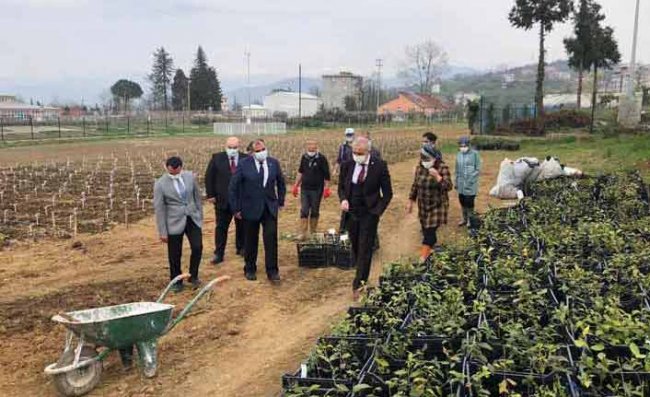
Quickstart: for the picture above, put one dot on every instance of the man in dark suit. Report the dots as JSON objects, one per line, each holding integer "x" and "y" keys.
{"x": 256, "y": 194}
{"x": 365, "y": 191}
{"x": 221, "y": 168}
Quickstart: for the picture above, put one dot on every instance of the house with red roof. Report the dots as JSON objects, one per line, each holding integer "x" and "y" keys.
{"x": 410, "y": 102}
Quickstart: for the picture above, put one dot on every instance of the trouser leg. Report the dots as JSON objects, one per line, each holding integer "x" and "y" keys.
{"x": 430, "y": 237}
{"x": 224, "y": 217}
{"x": 305, "y": 204}
{"x": 239, "y": 234}
{"x": 345, "y": 223}
{"x": 195, "y": 238}
{"x": 365, "y": 230}
{"x": 174, "y": 253}
{"x": 252, "y": 230}
{"x": 270, "y": 237}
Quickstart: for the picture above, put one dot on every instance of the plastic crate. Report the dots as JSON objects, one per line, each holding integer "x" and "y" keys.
{"x": 342, "y": 256}
{"x": 313, "y": 255}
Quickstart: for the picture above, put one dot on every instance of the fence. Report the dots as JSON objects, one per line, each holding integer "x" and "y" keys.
{"x": 253, "y": 128}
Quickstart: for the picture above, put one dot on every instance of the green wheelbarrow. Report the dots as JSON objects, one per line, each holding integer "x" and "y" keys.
{"x": 120, "y": 327}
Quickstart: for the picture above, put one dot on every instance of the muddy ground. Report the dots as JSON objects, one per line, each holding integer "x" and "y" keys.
{"x": 237, "y": 343}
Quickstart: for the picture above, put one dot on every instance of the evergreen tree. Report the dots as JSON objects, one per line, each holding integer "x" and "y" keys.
{"x": 605, "y": 55}
{"x": 125, "y": 90}
{"x": 179, "y": 90}
{"x": 160, "y": 77}
{"x": 580, "y": 48}
{"x": 546, "y": 13}
{"x": 205, "y": 89}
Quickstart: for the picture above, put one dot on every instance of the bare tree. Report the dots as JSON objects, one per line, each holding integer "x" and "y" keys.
{"x": 423, "y": 65}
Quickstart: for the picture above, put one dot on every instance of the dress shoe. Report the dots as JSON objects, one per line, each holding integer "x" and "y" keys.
{"x": 217, "y": 259}
{"x": 274, "y": 278}
{"x": 251, "y": 276}
{"x": 196, "y": 283}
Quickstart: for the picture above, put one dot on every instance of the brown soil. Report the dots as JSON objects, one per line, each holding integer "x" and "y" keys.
{"x": 237, "y": 343}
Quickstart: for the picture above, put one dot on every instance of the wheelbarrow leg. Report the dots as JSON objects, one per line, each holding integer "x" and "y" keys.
{"x": 126, "y": 354}
{"x": 148, "y": 357}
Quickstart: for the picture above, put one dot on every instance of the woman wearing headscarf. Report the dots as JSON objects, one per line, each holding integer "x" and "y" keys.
{"x": 430, "y": 187}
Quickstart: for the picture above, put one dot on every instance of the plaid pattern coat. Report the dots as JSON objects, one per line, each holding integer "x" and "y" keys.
{"x": 432, "y": 197}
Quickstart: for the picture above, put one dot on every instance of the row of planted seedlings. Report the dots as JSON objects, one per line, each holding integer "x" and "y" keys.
{"x": 550, "y": 299}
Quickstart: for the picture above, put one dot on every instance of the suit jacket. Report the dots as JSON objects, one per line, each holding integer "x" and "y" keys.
{"x": 217, "y": 178}
{"x": 171, "y": 211}
{"x": 377, "y": 188}
{"x": 246, "y": 194}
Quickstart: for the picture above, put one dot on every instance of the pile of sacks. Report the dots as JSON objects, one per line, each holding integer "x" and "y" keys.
{"x": 514, "y": 175}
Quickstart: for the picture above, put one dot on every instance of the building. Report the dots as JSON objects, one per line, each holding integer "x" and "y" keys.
{"x": 13, "y": 110}
{"x": 337, "y": 87}
{"x": 254, "y": 112}
{"x": 461, "y": 98}
{"x": 569, "y": 101}
{"x": 409, "y": 102}
{"x": 224, "y": 104}
{"x": 291, "y": 103}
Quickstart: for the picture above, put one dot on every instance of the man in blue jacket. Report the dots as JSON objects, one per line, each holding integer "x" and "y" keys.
{"x": 256, "y": 194}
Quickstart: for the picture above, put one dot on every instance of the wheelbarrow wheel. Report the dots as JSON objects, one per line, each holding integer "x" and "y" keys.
{"x": 78, "y": 382}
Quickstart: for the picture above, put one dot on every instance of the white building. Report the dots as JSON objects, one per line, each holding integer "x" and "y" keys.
{"x": 254, "y": 112}
{"x": 13, "y": 110}
{"x": 291, "y": 102}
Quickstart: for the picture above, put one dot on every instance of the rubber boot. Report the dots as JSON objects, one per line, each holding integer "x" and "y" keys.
{"x": 304, "y": 225}
{"x": 313, "y": 226}
{"x": 465, "y": 218}
{"x": 425, "y": 251}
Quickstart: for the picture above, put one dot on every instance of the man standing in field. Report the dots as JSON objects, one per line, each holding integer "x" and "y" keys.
{"x": 179, "y": 211}
{"x": 256, "y": 194}
{"x": 313, "y": 184}
{"x": 344, "y": 154}
{"x": 365, "y": 190}
{"x": 221, "y": 168}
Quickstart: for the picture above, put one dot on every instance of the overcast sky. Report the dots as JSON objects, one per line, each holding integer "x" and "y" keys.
{"x": 44, "y": 41}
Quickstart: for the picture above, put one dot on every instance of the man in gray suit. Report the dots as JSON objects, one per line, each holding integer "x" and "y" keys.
{"x": 179, "y": 211}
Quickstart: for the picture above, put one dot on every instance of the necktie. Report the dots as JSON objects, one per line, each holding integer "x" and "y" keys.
{"x": 362, "y": 174}
{"x": 181, "y": 189}
{"x": 233, "y": 167}
{"x": 261, "y": 172}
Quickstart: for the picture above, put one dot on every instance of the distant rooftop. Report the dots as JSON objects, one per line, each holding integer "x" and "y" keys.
{"x": 292, "y": 94}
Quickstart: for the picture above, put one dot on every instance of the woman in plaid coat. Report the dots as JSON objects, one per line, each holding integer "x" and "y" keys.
{"x": 430, "y": 187}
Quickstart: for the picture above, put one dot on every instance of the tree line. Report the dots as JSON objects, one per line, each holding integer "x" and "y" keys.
{"x": 592, "y": 45}
{"x": 171, "y": 88}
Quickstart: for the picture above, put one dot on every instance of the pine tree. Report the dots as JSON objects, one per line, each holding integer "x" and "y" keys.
{"x": 179, "y": 90}
{"x": 124, "y": 90}
{"x": 205, "y": 89}
{"x": 580, "y": 47}
{"x": 546, "y": 13}
{"x": 160, "y": 77}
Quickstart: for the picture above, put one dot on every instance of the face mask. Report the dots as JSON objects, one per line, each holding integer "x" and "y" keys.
{"x": 231, "y": 152}
{"x": 433, "y": 145}
{"x": 176, "y": 177}
{"x": 349, "y": 139}
{"x": 359, "y": 159}
{"x": 312, "y": 154}
{"x": 464, "y": 149}
{"x": 427, "y": 164}
{"x": 261, "y": 156}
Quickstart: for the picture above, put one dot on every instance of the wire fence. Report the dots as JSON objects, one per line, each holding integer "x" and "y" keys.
{"x": 173, "y": 123}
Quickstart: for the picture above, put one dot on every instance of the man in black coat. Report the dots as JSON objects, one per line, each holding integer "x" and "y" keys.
{"x": 257, "y": 192}
{"x": 221, "y": 168}
{"x": 365, "y": 190}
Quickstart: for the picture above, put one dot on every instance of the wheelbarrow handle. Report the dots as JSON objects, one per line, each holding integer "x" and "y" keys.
{"x": 176, "y": 279}
{"x": 207, "y": 288}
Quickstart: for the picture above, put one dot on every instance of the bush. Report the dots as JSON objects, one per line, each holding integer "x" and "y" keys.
{"x": 553, "y": 121}
{"x": 482, "y": 143}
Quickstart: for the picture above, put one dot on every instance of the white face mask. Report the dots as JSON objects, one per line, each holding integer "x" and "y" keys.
{"x": 311, "y": 154}
{"x": 231, "y": 152}
{"x": 349, "y": 138}
{"x": 261, "y": 156}
{"x": 177, "y": 176}
{"x": 359, "y": 159}
{"x": 464, "y": 149}
{"x": 427, "y": 164}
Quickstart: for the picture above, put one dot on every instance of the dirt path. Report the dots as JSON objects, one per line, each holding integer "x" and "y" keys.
{"x": 238, "y": 343}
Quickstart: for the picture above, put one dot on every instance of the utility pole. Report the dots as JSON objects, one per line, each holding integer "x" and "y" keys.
{"x": 632, "y": 69}
{"x": 299, "y": 91}
{"x": 379, "y": 63}
{"x": 247, "y": 54}
{"x": 629, "y": 110}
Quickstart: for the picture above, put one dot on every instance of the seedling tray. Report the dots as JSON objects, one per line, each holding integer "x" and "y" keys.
{"x": 313, "y": 255}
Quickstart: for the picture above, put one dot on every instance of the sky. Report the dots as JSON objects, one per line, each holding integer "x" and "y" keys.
{"x": 70, "y": 48}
